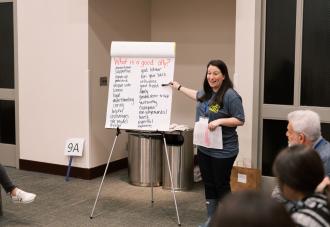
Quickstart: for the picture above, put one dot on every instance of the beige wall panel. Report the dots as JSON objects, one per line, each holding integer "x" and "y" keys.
{"x": 202, "y": 30}
{"x": 114, "y": 20}
{"x": 52, "y": 78}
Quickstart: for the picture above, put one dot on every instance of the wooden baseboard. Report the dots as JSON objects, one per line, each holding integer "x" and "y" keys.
{"x": 77, "y": 172}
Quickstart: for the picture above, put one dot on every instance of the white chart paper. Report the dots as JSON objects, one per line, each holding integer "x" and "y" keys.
{"x": 137, "y": 100}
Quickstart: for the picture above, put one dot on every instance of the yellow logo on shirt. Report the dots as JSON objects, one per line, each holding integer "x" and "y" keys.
{"x": 214, "y": 108}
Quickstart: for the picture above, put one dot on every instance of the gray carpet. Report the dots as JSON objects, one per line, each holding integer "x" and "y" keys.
{"x": 60, "y": 203}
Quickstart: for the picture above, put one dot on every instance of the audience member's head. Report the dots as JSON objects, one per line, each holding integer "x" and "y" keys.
{"x": 250, "y": 209}
{"x": 299, "y": 170}
{"x": 304, "y": 127}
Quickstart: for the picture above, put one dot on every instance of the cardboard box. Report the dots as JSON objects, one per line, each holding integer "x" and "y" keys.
{"x": 243, "y": 178}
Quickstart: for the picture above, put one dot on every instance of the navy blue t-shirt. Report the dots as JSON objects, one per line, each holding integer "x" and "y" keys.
{"x": 232, "y": 107}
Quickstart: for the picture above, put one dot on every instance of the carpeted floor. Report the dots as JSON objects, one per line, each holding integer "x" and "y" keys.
{"x": 60, "y": 203}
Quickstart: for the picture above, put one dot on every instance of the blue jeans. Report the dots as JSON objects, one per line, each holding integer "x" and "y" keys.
{"x": 5, "y": 181}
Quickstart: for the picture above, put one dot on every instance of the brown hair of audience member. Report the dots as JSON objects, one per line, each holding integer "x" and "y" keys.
{"x": 300, "y": 168}
{"x": 250, "y": 209}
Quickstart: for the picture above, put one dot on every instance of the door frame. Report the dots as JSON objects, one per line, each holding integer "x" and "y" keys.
{"x": 10, "y": 152}
{"x": 280, "y": 112}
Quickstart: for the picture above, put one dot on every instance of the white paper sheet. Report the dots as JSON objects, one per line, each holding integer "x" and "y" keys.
{"x": 136, "y": 99}
{"x": 206, "y": 138}
{"x": 143, "y": 49}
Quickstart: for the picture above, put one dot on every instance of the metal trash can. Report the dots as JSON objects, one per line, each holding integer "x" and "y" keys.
{"x": 181, "y": 158}
{"x": 144, "y": 158}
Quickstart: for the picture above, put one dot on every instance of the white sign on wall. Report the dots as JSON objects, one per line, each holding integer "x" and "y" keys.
{"x": 137, "y": 100}
{"x": 74, "y": 147}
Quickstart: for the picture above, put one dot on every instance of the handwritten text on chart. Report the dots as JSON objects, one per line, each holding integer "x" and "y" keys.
{"x": 161, "y": 62}
{"x": 144, "y": 93}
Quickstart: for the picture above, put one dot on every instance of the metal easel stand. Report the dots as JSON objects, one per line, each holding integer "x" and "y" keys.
{"x": 105, "y": 172}
{"x": 152, "y": 199}
{"x": 151, "y": 165}
{"x": 172, "y": 185}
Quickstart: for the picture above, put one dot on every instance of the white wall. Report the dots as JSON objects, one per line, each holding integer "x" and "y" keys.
{"x": 247, "y": 74}
{"x": 202, "y": 30}
{"x": 58, "y": 41}
{"x": 201, "y": 33}
{"x": 110, "y": 20}
{"x": 52, "y": 78}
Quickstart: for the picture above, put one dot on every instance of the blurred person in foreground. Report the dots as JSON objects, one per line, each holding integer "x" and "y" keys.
{"x": 250, "y": 209}
{"x": 299, "y": 170}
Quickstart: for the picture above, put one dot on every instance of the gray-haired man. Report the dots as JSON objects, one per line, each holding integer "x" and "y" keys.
{"x": 304, "y": 127}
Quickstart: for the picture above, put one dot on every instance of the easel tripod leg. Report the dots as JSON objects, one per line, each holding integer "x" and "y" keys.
{"x": 172, "y": 185}
{"x": 151, "y": 165}
{"x": 105, "y": 172}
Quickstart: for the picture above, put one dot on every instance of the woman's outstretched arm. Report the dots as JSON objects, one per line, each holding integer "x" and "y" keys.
{"x": 191, "y": 93}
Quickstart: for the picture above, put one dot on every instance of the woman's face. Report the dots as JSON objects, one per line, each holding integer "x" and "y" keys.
{"x": 214, "y": 77}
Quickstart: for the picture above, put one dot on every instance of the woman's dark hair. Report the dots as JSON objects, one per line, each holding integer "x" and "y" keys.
{"x": 226, "y": 83}
{"x": 250, "y": 209}
{"x": 299, "y": 167}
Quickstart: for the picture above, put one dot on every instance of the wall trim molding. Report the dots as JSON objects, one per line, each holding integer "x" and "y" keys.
{"x": 83, "y": 173}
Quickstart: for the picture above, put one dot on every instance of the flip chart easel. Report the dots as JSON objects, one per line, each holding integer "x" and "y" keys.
{"x": 137, "y": 100}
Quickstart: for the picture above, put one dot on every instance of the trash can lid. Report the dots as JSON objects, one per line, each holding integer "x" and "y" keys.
{"x": 146, "y": 134}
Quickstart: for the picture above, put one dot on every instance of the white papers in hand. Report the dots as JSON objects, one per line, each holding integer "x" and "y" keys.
{"x": 206, "y": 138}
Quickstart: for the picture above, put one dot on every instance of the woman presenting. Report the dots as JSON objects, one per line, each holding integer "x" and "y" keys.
{"x": 222, "y": 106}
